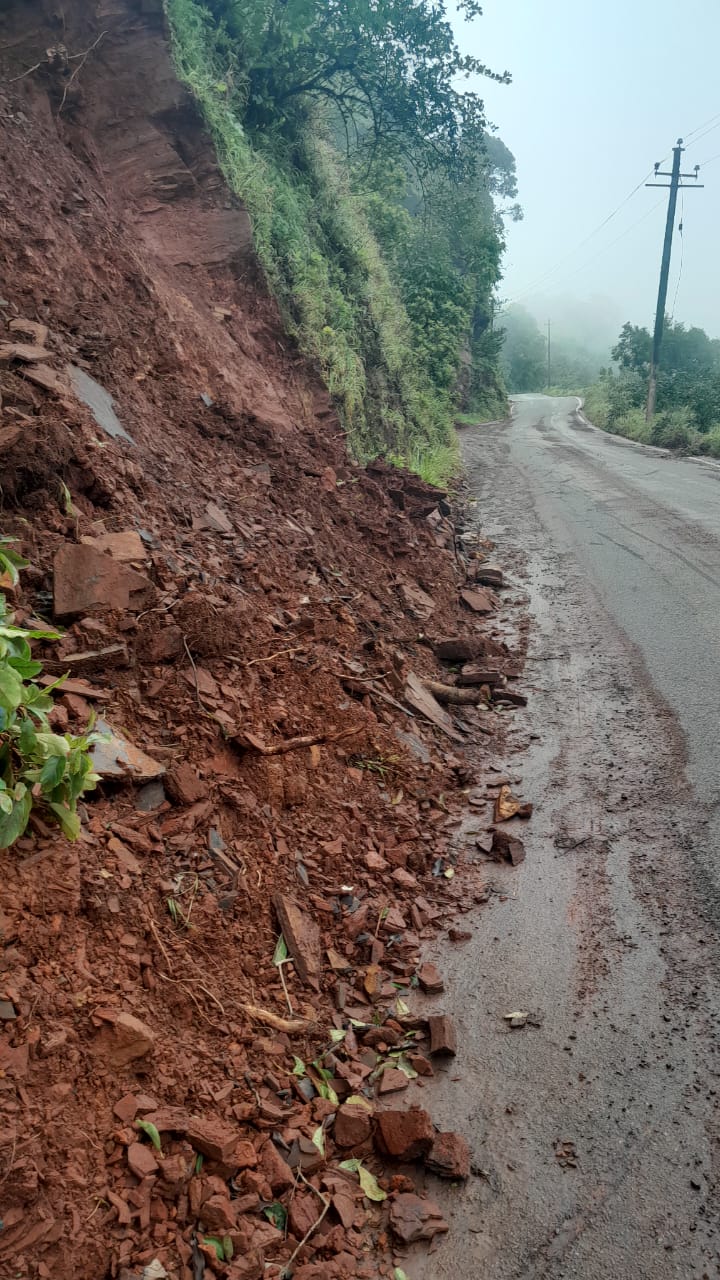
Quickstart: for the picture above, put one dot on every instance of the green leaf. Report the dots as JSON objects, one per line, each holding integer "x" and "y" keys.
{"x": 14, "y": 823}
{"x": 399, "y": 1274}
{"x": 368, "y": 1181}
{"x": 11, "y": 688}
{"x": 336, "y": 1036}
{"x": 69, "y": 821}
{"x": 52, "y": 773}
{"x": 277, "y": 1214}
{"x": 318, "y": 1140}
{"x": 280, "y": 954}
{"x": 369, "y": 1184}
{"x": 298, "y": 1067}
{"x": 215, "y": 1244}
{"x": 149, "y": 1128}
{"x": 357, "y": 1100}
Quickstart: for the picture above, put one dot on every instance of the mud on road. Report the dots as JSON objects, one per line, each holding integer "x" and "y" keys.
{"x": 594, "y": 1134}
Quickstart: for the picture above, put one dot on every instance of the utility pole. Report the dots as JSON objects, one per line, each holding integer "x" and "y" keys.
{"x": 674, "y": 185}
{"x": 548, "y": 355}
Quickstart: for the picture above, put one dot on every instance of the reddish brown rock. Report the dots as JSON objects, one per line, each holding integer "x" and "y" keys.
{"x": 126, "y": 1108}
{"x": 420, "y": 1064}
{"x": 449, "y": 1156}
{"x": 176, "y": 1169}
{"x": 404, "y": 1135}
{"x": 302, "y": 937}
{"x": 430, "y": 979}
{"x": 274, "y": 1168}
{"x": 126, "y": 546}
{"x": 212, "y": 1138}
{"x": 184, "y": 786}
{"x": 443, "y": 1039}
{"x": 302, "y": 1213}
{"x": 459, "y": 648}
{"x": 85, "y": 579}
{"x": 141, "y": 1160}
{"x": 217, "y": 1215}
{"x": 245, "y": 1155}
{"x": 126, "y": 1039}
{"x": 414, "y": 1219}
{"x": 353, "y": 1125}
{"x": 251, "y": 1267}
{"x": 479, "y": 600}
{"x": 507, "y": 848}
{"x": 392, "y": 1080}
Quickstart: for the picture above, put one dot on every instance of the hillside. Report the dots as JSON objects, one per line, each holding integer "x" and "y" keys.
{"x": 254, "y": 611}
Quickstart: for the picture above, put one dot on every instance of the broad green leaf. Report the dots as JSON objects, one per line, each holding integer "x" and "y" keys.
{"x": 357, "y": 1100}
{"x": 11, "y": 688}
{"x": 52, "y": 773}
{"x": 352, "y": 1165}
{"x": 399, "y": 1274}
{"x": 14, "y": 823}
{"x": 298, "y": 1067}
{"x": 337, "y": 1036}
{"x": 318, "y": 1140}
{"x": 149, "y": 1128}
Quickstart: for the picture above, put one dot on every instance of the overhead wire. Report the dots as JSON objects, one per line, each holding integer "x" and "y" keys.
{"x": 589, "y": 261}
{"x": 553, "y": 270}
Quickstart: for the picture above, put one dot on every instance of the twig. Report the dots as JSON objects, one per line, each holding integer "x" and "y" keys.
{"x": 192, "y": 664}
{"x": 280, "y": 654}
{"x": 247, "y": 742}
{"x": 290, "y": 1025}
{"x": 284, "y": 987}
{"x": 311, "y": 1230}
{"x": 83, "y": 59}
{"x": 159, "y": 941}
{"x": 29, "y": 72}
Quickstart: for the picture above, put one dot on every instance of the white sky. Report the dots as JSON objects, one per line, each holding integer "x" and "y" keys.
{"x": 600, "y": 91}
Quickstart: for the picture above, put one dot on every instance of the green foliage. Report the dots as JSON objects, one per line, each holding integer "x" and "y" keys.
{"x": 371, "y": 203}
{"x": 688, "y": 391}
{"x": 37, "y": 766}
{"x": 389, "y": 71}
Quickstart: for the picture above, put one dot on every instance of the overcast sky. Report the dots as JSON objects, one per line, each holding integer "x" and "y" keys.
{"x": 601, "y": 90}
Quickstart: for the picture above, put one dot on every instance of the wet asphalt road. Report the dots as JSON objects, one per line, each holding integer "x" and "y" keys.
{"x": 609, "y": 932}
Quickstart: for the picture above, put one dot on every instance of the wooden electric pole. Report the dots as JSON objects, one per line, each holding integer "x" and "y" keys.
{"x": 674, "y": 185}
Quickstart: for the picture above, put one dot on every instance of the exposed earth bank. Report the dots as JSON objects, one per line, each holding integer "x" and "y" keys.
{"x": 255, "y": 616}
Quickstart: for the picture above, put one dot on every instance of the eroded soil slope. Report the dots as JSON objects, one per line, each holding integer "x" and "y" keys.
{"x": 228, "y": 581}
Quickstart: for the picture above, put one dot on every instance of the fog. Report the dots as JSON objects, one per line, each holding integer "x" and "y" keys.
{"x": 600, "y": 92}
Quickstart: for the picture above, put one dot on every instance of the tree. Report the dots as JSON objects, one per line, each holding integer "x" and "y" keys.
{"x": 524, "y": 356}
{"x": 390, "y": 68}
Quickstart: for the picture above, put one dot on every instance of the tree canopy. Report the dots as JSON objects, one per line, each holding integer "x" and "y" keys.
{"x": 390, "y": 68}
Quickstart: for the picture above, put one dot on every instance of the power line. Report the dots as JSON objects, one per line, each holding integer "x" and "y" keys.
{"x": 700, "y": 127}
{"x": 705, "y": 163}
{"x": 588, "y": 261}
{"x": 704, "y": 134}
{"x": 553, "y": 270}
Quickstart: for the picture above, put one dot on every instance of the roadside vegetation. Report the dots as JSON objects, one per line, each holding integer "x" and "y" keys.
{"x": 377, "y": 197}
{"x": 688, "y": 399}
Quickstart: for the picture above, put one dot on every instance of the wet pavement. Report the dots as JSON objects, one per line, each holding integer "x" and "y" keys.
{"x": 609, "y": 930}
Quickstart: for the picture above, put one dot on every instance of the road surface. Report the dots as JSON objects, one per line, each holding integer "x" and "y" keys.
{"x": 609, "y": 930}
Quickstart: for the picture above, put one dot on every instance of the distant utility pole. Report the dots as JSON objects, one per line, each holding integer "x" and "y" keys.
{"x": 674, "y": 186}
{"x": 548, "y": 356}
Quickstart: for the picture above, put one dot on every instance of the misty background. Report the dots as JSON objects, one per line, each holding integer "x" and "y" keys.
{"x": 599, "y": 93}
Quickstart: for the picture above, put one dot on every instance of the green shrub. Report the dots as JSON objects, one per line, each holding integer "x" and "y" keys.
{"x": 38, "y": 768}
{"x": 673, "y": 429}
